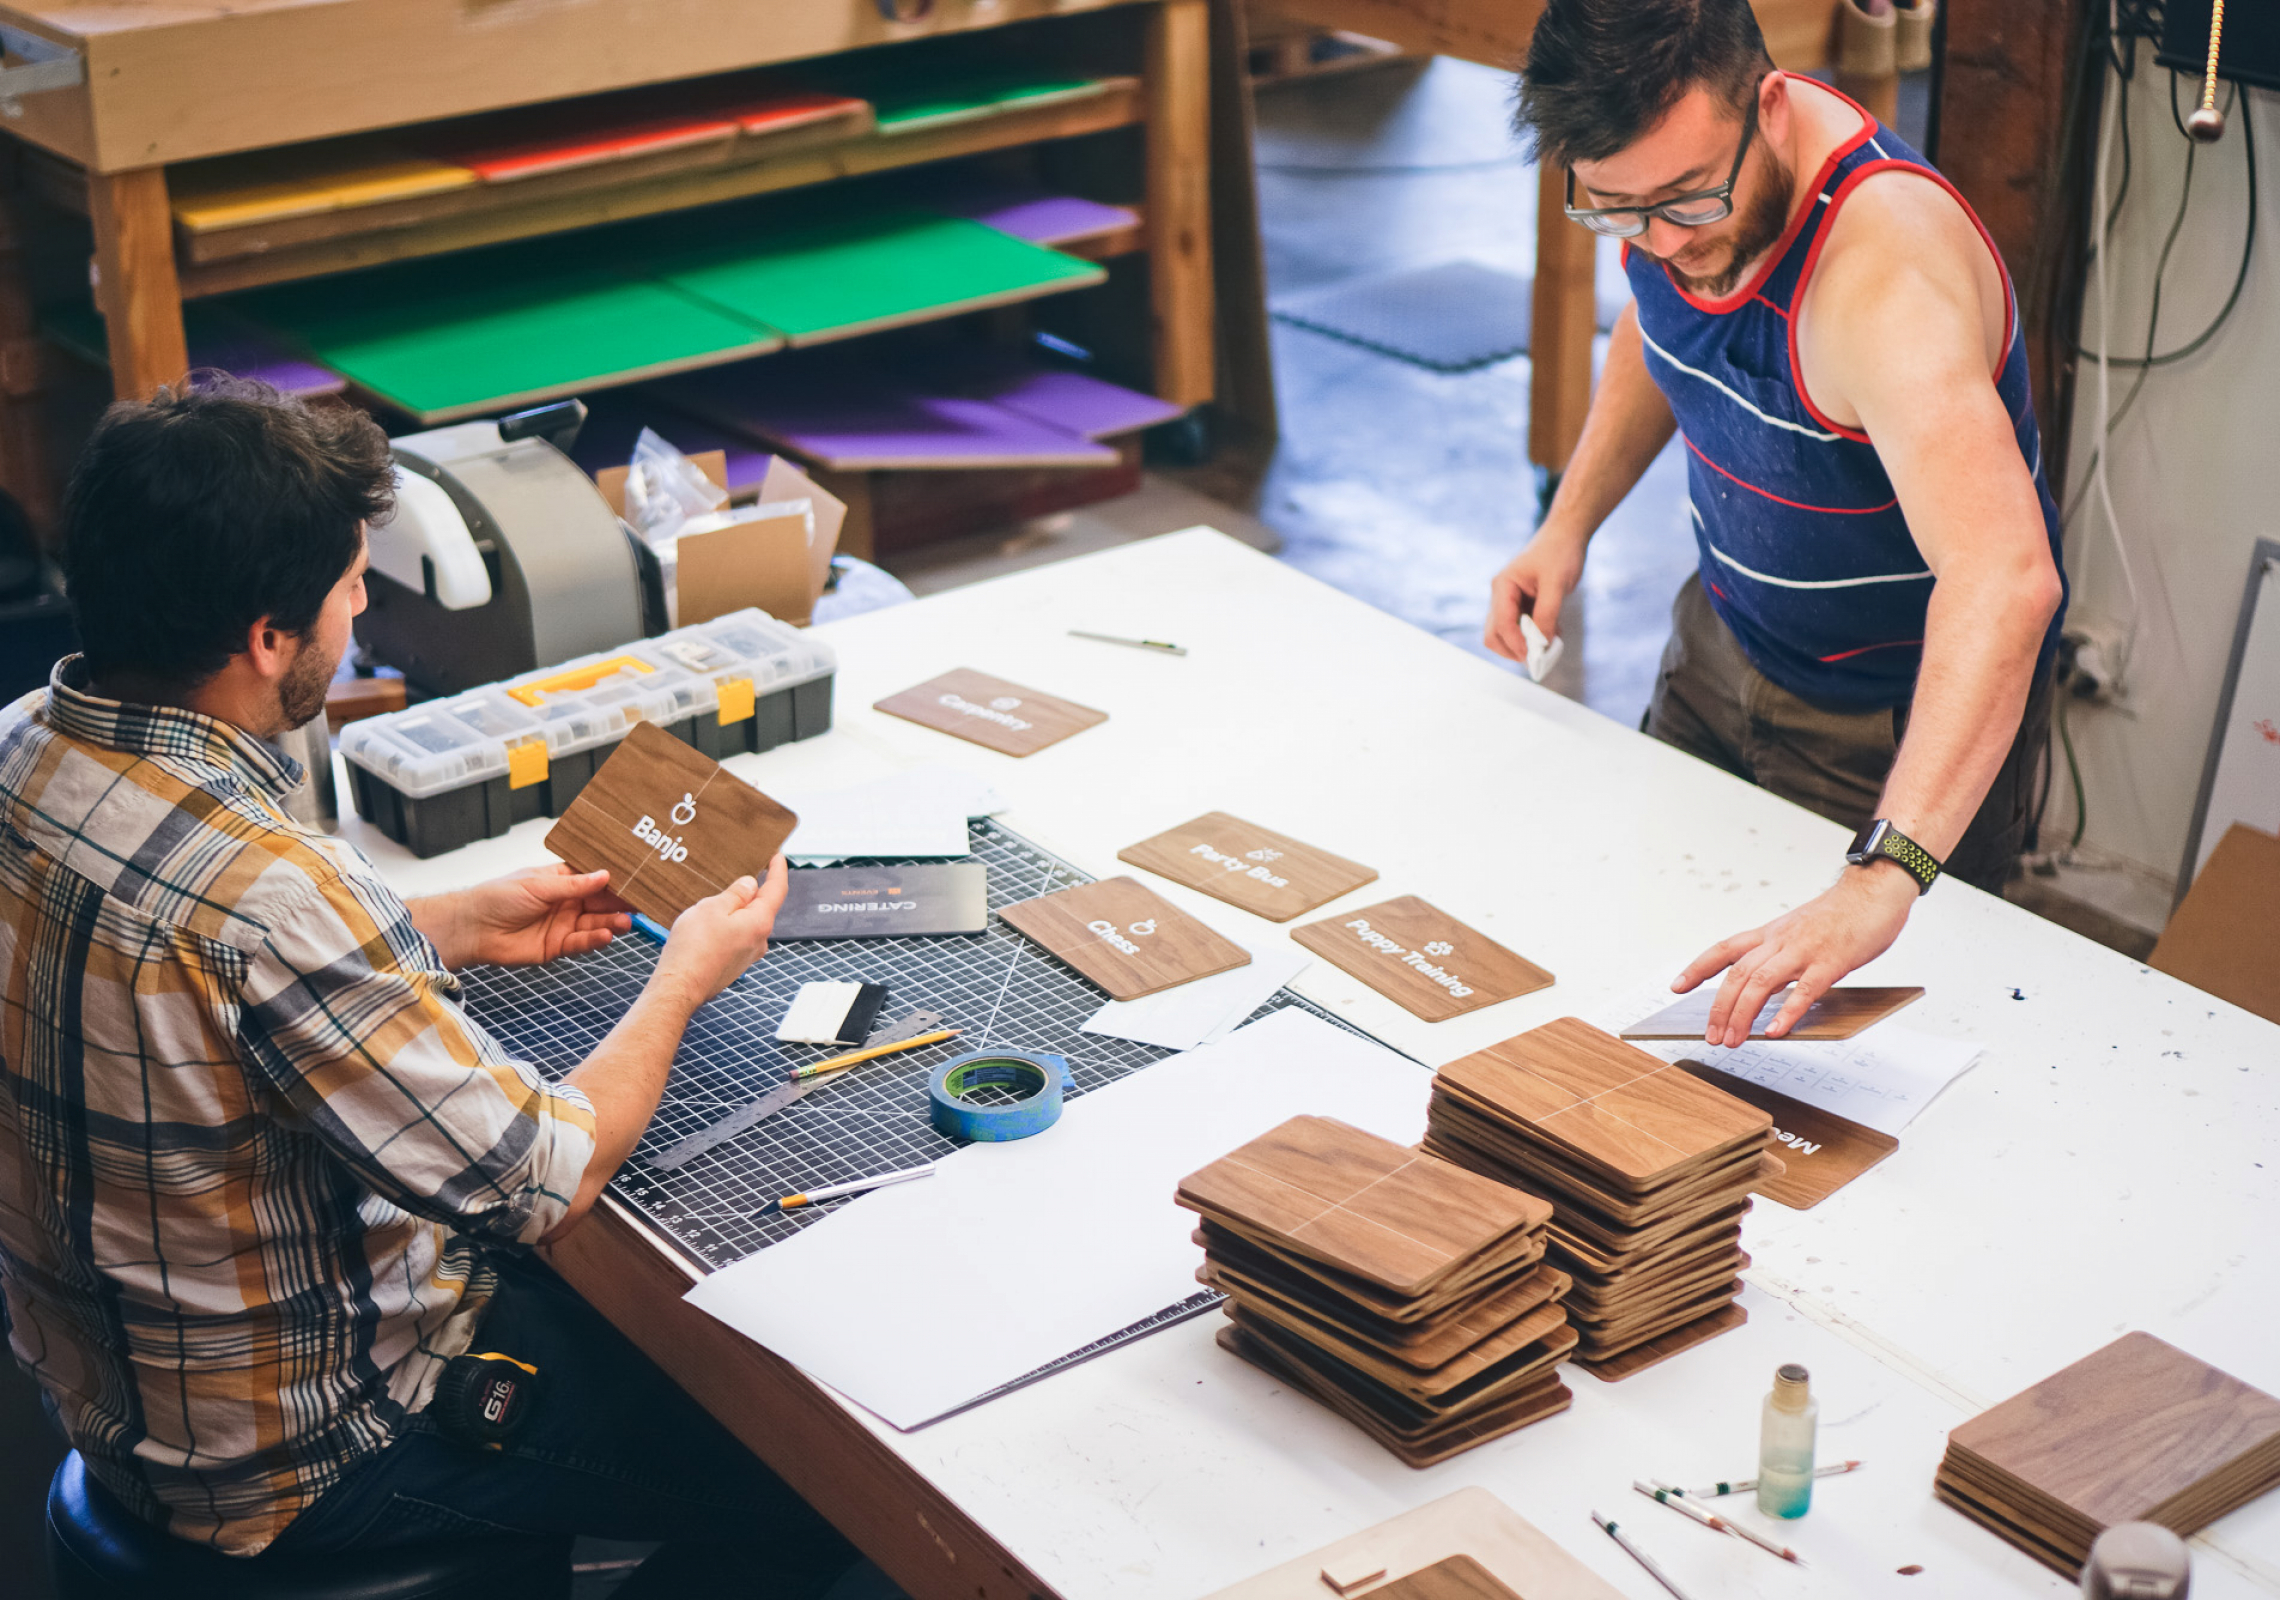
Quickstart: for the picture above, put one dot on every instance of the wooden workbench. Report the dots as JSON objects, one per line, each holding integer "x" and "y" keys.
{"x": 2109, "y": 1163}
{"x": 168, "y": 81}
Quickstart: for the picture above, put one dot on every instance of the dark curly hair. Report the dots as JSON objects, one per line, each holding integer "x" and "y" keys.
{"x": 1602, "y": 72}
{"x": 194, "y": 514}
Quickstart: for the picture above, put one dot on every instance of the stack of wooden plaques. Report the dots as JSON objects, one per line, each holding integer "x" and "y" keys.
{"x": 1405, "y": 1294}
{"x": 1648, "y": 1171}
{"x": 2136, "y": 1432}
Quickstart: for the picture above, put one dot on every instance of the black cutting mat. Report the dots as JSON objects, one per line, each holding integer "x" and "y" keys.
{"x": 1004, "y": 992}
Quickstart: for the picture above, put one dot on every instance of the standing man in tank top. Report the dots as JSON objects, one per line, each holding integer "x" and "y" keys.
{"x": 1827, "y": 325}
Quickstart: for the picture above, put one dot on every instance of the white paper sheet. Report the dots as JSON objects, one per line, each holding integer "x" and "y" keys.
{"x": 922, "y": 812}
{"x": 913, "y": 1300}
{"x": 1880, "y": 1078}
{"x": 1208, "y": 1009}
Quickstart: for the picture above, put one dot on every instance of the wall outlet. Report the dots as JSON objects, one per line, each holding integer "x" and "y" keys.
{"x": 2090, "y": 656}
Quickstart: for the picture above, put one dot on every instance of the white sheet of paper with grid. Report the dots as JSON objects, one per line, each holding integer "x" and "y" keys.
{"x": 912, "y": 1301}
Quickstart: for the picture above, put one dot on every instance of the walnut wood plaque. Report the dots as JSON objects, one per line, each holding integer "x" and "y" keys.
{"x": 1839, "y": 1014}
{"x": 1124, "y": 937}
{"x": 1422, "y": 959}
{"x": 669, "y": 824}
{"x": 991, "y": 712}
{"x": 1820, "y": 1152}
{"x": 1264, "y": 872}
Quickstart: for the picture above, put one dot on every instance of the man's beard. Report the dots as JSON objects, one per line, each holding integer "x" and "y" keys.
{"x": 1756, "y": 229}
{"x": 301, "y": 692}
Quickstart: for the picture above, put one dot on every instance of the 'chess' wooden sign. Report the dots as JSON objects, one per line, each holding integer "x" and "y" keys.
{"x": 991, "y": 712}
{"x": 669, "y": 824}
{"x": 1422, "y": 959}
{"x": 1124, "y": 937}
{"x": 1264, "y": 872}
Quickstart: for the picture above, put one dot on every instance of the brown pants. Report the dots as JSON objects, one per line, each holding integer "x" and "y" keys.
{"x": 1711, "y": 702}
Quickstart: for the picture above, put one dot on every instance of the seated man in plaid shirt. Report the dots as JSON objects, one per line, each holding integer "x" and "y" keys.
{"x": 260, "y": 1177}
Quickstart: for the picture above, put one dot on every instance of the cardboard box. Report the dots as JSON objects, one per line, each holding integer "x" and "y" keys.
{"x": 779, "y": 564}
{"x": 2224, "y": 938}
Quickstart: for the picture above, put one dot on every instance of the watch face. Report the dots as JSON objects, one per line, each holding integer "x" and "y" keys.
{"x": 1868, "y": 838}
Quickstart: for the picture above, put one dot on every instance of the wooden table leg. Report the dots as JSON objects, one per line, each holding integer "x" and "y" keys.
{"x": 1564, "y": 318}
{"x": 135, "y": 287}
{"x": 1179, "y": 198}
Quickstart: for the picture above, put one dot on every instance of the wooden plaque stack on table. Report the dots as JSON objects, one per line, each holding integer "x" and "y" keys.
{"x": 2136, "y": 1432}
{"x": 1647, "y": 1169}
{"x": 1406, "y": 1294}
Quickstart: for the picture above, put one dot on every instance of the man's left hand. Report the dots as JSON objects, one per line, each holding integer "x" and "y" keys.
{"x": 1847, "y": 926}
{"x": 525, "y": 918}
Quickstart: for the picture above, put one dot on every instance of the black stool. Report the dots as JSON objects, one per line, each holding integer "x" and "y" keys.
{"x": 99, "y": 1550}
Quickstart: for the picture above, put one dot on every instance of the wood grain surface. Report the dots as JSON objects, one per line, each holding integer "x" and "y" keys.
{"x": 1124, "y": 937}
{"x": 1457, "y": 1577}
{"x": 1471, "y": 1522}
{"x": 1415, "y": 1446}
{"x": 650, "y": 782}
{"x": 1637, "y": 1359}
{"x": 1635, "y": 1120}
{"x": 1422, "y": 959}
{"x": 991, "y": 712}
{"x": 1838, "y": 1014}
{"x": 1820, "y": 1151}
{"x": 1424, "y": 1314}
{"x": 2137, "y": 1430}
{"x": 1423, "y": 1349}
{"x": 1267, "y": 873}
{"x": 1397, "y": 1217}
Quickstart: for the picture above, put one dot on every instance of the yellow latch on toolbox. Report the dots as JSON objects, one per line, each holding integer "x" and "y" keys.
{"x": 735, "y": 700}
{"x": 534, "y": 694}
{"x": 526, "y": 763}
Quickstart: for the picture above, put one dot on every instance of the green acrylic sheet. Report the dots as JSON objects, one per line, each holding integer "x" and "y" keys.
{"x": 456, "y": 335}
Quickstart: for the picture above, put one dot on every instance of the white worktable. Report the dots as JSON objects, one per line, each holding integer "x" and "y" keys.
{"x": 2113, "y": 1162}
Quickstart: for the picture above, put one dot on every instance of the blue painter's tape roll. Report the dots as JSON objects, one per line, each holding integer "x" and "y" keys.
{"x": 1037, "y": 1080}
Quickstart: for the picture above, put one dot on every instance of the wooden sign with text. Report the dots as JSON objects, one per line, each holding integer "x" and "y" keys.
{"x": 991, "y": 712}
{"x": 1820, "y": 1151}
{"x": 669, "y": 824}
{"x": 1839, "y": 1014}
{"x": 1422, "y": 959}
{"x": 1264, "y": 872}
{"x": 1124, "y": 937}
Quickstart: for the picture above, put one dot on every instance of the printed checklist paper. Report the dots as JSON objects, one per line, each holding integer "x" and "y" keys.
{"x": 1880, "y": 1079}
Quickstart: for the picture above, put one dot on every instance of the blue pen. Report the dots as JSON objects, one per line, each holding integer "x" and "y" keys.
{"x": 648, "y": 928}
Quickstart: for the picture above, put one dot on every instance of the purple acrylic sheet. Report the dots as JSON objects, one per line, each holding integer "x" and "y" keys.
{"x": 1034, "y": 214}
{"x": 1076, "y": 401}
{"x": 846, "y": 414}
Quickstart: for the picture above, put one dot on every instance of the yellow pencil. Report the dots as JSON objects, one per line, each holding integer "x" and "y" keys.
{"x": 858, "y": 1057}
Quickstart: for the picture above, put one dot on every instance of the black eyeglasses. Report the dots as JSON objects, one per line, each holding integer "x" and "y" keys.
{"x": 1696, "y": 210}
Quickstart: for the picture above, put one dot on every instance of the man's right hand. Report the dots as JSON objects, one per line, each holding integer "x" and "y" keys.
{"x": 717, "y": 938}
{"x": 1537, "y": 583}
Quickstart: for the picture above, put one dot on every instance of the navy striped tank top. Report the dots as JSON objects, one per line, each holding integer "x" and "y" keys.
{"x": 1805, "y": 554}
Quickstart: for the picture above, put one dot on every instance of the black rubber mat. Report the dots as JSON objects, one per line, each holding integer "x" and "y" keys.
{"x": 1452, "y": 316}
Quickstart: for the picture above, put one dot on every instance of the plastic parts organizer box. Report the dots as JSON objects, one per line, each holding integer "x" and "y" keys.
{"x": 445, "y": 773}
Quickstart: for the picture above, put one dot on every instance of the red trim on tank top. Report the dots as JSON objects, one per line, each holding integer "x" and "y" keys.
{"x": 1889, "y": 644}
{"x": 1738, "y": 298}
{"x": 1799, "y": 505}
{"x": 1870, "y": 169}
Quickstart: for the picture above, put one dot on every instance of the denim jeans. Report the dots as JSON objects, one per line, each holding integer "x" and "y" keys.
{"x": 615, "y": 1449}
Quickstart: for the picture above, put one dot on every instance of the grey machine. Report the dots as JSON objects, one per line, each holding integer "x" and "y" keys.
{"x": 2137, "y": 1561}
{"x": 501, "y": 557}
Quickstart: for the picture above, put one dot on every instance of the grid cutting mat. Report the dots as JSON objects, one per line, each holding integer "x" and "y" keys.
{"x": 720, "y": 1207}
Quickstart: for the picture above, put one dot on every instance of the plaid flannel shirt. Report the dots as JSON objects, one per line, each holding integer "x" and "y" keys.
{"x": 250, "y": 1148}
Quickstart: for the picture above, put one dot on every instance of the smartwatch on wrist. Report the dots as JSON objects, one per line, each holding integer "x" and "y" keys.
{"x": 1881, "y": 840}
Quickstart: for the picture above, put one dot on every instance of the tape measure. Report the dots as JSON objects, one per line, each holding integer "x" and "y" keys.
{"x": 484, "y": 1399}
{"x": 1038, "y": 1080}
